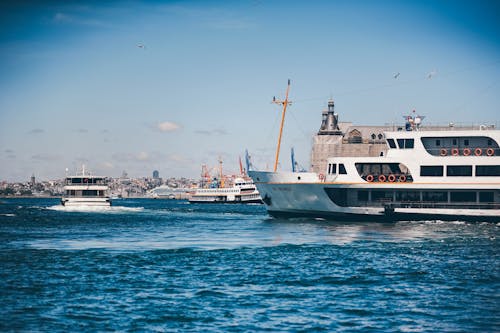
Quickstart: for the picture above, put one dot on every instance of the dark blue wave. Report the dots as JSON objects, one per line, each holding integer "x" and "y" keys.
{"x": 170, "y": 266}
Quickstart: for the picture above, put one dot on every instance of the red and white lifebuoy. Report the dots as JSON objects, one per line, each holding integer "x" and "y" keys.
{"x": 478, "y": 151}
{"x": 369, "y": 178}
{"x": 454, "y": 151}
{"x": 466, "y": 151}
{"x": 443, "y": 152}
{"x": 391, "y": 178}
{"x": 321, "y": 177}
{"x": 382, "y": 178}
{"x": 402, "y": 178}
{"x": 490, "y": 152}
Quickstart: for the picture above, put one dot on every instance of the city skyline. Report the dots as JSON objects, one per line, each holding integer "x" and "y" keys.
{"x": 169, "y": 86}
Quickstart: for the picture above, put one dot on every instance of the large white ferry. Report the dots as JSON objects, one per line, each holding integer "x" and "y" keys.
{"x": 447, "y": 174}
{"x": 85, "y": 190}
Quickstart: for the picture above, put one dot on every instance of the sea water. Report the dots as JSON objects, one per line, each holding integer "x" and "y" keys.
{"x": 166, "y": 265}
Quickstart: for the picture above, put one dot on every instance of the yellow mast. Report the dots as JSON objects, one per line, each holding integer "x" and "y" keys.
{"x": 285, "y": 104}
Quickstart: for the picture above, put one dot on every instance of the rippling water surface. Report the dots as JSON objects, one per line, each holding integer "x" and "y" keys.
{"x": 158, "y": 265}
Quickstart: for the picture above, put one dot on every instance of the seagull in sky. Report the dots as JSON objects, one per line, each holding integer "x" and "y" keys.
{"x": 431, "y": 74}
{"x": 141, "y": 46}
{"x": 396, "y": 75}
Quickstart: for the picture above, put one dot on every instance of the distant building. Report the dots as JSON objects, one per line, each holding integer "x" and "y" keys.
{"x": 156, "y": 174}
{"x": 33, "y": 180}
{"x": 336, "y": 138}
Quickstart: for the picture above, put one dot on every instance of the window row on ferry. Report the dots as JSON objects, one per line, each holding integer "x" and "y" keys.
{"x": 460, "y": 171}
{"x": 461, "y": 146}
{"x": 85, "y": 193}
{"x": 344, "y": 197}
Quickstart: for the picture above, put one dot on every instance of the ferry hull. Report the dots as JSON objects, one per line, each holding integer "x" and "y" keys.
{"x": 79, "y": 202}
{"x": 291, "y": 195}
{"x": 253, "y": 201}
{"x": 392, "y": 217}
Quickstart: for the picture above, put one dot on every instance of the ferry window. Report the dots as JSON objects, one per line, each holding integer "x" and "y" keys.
{"x": 438, "y": 143}
{"x": 490, "y": 142}
{"x": 342, "y": 170}
{"x": 380, "y": 136}
{"x": 458, "y": 170}
{"x": 391, "y": 143}
{"x": 329, "y": 168}
{"x": 334, "y": 169}
{"x": 487, "y": 170}
{"x": 337, "y": 195}
{"x": 382, "y": 196}
{"x": 454, "y": 142}
{"x": 362, "y": 195}
{"x": 431, "y": 170}
{"x": 466, "y": 142}
{"x": 435, "y": 196}
{"x": 485, "y": 196}
{"x": 410, "y": 196}
{"x": 406, "y": 143}
{"x": 463, "y": 196}
{"x": 401, "y": 143}
{"x": 373, "y": 136}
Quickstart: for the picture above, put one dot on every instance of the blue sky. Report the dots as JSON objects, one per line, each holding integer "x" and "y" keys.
{"x": 75, "y": 87}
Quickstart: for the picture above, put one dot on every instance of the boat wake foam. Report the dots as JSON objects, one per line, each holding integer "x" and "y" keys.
{"x": 96, "y": 209}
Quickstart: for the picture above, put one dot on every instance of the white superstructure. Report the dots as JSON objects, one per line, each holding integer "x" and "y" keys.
{"x": 242, "y": 191}
{"x": 85, "y": 190}
{"x": 435, "y": 174}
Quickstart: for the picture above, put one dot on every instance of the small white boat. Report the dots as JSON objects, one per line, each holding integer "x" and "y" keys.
{"x": 85, "y": 190}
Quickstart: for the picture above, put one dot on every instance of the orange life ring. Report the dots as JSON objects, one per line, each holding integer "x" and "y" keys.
{"x": 443, "y": 152}
{"x": 381, "y": 178}
{"x": 402, "y": 178}
{"x": 478, "y": 152}
{"x": 369, "y": 178}
{"x": 321, "y": 176}
{"x": 454, "y": 151}
{"x": 490, "y": 152}
{"x": 466, "y": 151}
{"x": 391, "y": 178}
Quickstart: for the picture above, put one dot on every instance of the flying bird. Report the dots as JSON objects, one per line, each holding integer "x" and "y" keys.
{"x": 396, "y": 75}
{"x": 141, "y": 46}
{"x": 431, "y": 74}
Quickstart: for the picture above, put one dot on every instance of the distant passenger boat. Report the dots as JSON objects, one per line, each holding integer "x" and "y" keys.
{"x": 242, "y": 191}
{"x": 85, "y": 190}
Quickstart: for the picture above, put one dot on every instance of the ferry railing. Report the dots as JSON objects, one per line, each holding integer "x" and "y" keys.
{"x": 442, "y": 205}
{"x": 462, "y": 151}
{"x": 462, "y": 126}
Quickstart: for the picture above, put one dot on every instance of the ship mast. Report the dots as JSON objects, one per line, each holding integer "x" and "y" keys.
{"x": 220, "y": 172}
{"x": 285, "y": 104}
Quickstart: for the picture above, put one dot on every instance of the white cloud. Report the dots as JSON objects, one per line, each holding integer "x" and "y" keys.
{"x": 177, "y": 158}
{"x": 142, "y": 156}
{"x": 217, "y": 131}
{"x": 167, "y": 126}
{"x": 63, "y": 18}
{"x": 108, "y": 165}
{"x": 36, "y": 131}
{"x": 45, "y": 157}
